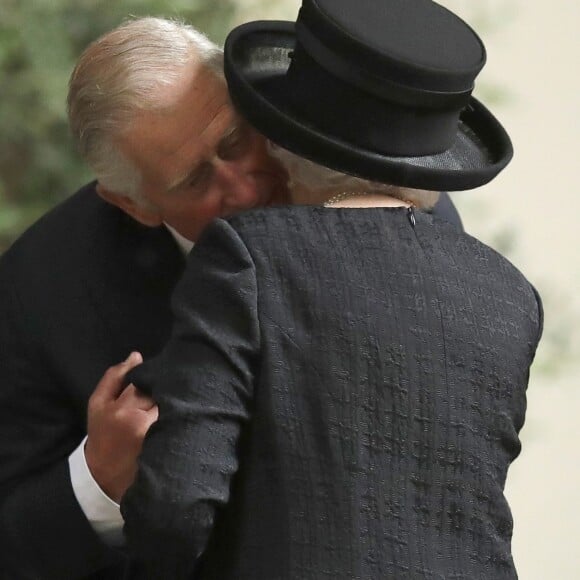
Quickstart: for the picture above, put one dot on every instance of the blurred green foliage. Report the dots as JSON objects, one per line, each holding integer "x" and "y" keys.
{"x": 40, "y": 41}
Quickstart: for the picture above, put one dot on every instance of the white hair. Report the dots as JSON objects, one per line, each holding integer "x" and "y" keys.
{"x": 305, "y": 174}
{"x": 122, "y": 73}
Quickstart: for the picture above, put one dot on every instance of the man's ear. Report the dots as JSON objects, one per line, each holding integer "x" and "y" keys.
{"x": 147, "y": 215}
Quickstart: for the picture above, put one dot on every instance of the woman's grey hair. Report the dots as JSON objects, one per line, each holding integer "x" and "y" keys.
{"x": 306, "y": 174}
{"x": 122, "y": 73}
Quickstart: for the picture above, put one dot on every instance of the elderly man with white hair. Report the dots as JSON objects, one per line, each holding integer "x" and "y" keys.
{"x": 90, "y": 283}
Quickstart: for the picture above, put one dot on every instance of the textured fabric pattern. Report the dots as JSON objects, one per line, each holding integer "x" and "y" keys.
{"x": 341, "y": 398}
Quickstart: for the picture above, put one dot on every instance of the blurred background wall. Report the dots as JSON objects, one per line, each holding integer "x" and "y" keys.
{"x": 530, "y": 213}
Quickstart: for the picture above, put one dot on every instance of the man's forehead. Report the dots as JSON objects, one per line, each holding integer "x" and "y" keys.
{"x": 203, "y": 109}
{"x": 193, "y": 78}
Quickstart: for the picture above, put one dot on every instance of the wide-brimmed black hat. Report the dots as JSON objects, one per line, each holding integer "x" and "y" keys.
{"x": 380, "y": 89}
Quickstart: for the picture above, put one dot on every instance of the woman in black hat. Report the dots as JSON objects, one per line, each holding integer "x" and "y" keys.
{"x": 343, "y": 391}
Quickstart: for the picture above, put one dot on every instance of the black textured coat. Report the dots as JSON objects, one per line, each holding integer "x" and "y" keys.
{"x": 79, "y": 291}
{"x": 341, "y": 398}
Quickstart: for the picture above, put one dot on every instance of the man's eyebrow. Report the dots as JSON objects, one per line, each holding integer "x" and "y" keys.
{"x": 180, "y": 181}
{"x": 190, "y": 175}
{"x": 235, "y": 124}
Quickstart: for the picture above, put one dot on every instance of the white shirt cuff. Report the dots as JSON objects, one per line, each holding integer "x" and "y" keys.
{"x": 103, "y": 513}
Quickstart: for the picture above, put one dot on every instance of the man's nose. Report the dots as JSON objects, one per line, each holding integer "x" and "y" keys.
{"x": 239, "y": 188}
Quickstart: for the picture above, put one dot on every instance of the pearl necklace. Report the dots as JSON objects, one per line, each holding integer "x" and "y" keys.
{"x": 347, "y": 194}
{"x": 343, "y": 195}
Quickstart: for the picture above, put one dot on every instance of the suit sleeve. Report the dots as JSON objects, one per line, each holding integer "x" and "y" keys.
{"x": 43, "y": 531}
{"x": 540, "y": 314}
{"x": 203, "y": 384}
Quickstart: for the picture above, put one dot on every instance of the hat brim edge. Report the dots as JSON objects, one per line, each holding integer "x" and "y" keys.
{"x": 302, "y": 138}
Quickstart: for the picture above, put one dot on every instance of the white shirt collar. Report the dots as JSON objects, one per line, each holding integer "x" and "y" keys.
{"x": 184, "y": 244}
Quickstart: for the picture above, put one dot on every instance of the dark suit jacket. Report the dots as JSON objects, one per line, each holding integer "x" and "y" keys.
{"x": 341, "y": 398}
{"x": 81, "y": 289}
